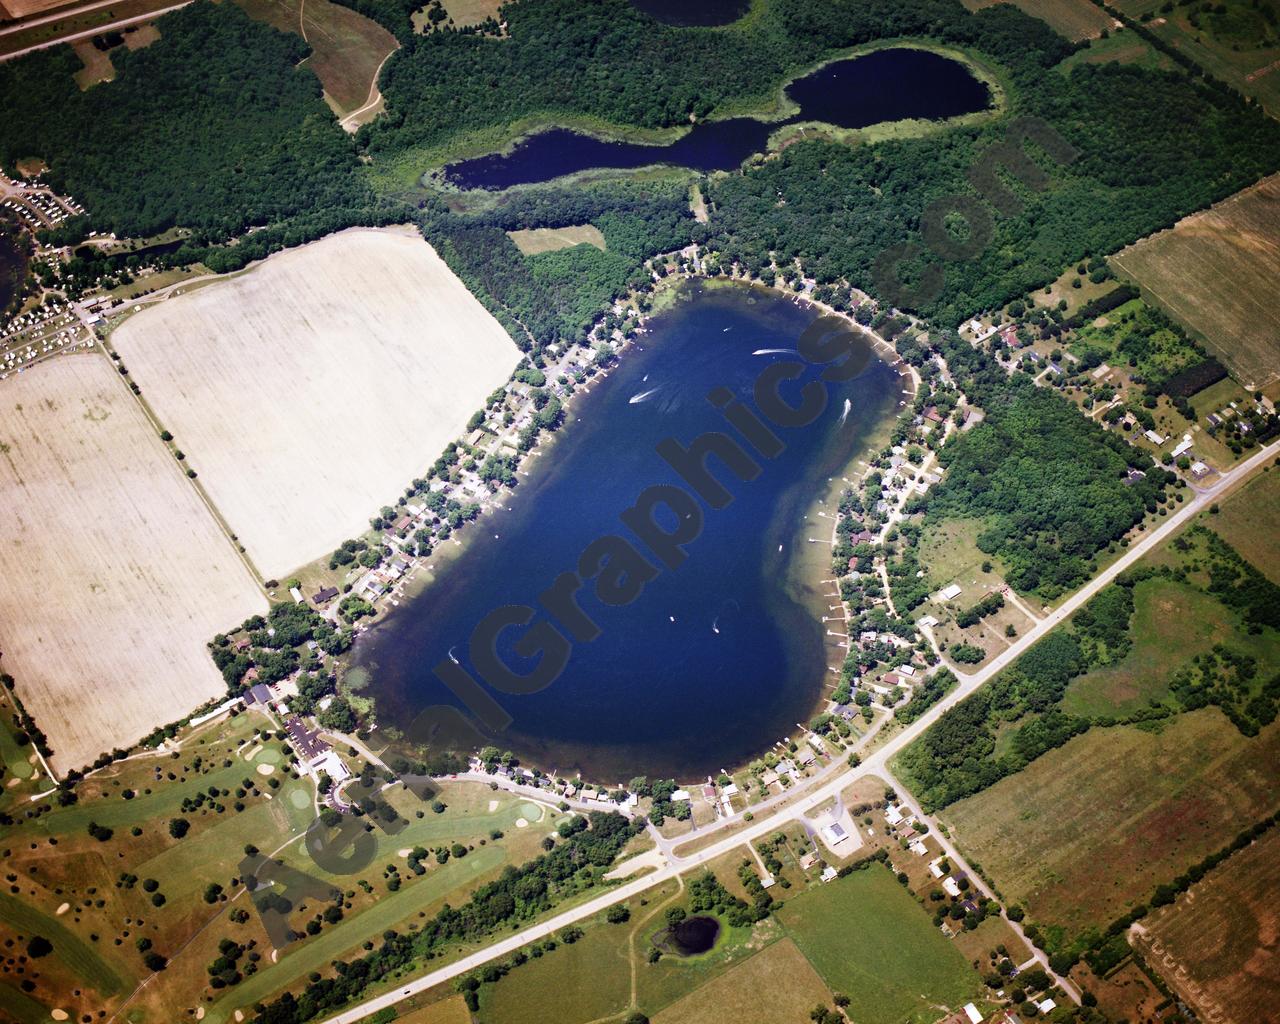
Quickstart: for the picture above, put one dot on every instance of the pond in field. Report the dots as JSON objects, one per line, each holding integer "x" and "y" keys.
{"x": 886, "y": 85}
{"x": 716, "y": 658}
{"x": 689, "y": 937}
{"x": 693, "y": 12}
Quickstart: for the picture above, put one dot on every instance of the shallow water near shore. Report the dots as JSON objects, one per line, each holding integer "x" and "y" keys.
{"x": 893, "y": 84}
{"x": 717, "y": 658}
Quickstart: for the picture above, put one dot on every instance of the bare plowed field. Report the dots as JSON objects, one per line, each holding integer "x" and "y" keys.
{"x": 310, "y": 391}
{"x": 113, "y": 575}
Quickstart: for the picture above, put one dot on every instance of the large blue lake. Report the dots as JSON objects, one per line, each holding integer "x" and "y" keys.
{"x": 886, "y": 85}
{"x": 716, "y": 659}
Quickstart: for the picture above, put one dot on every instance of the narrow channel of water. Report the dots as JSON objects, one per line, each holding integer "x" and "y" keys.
{"x": 716, "y": 659}
{"x": 886, "y": 85}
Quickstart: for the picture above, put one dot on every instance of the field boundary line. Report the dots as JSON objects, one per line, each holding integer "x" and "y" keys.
{"x": 218, "y": 518}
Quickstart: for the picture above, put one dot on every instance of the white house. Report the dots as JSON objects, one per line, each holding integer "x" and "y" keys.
{"x": 950, "y": 593}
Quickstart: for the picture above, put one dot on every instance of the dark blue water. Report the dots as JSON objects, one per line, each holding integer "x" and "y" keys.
{"x": 693, "y": 935}
{"x": 886, "y": 85}
{"x": 693, "y": 12}
{"x": 716, "y": 659}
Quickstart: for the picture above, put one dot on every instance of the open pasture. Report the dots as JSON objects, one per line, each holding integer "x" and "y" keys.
{"x": 1250, "y": 522}
{"x": 1089, "y": 829}
{"x": 97, "y": 64}
{"x": 1216, "y": 271}
{"x": 776, "y": 984}
{"x": 309, "y": 391}
{"x": 1218, "y": 946}
{"x": 1073, "y": 19}
{"x": 347, "y": 49}
{"x": 471, "y": 12}
{"x": 532, "y": 241}
{"x": 867, "y": 937}
{"x": 1236, "y": 41}
{"x": 1172, "y": 623}
{"x": 113, "y": 575}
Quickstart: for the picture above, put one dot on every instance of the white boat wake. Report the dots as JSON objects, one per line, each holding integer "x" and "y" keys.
{"x": 637, "y": 399}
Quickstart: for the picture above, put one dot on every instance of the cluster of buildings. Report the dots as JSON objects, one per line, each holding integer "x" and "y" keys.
{"x": 42, "y": 332}
{"x": 498, "y": 435}
{"x": 315, "y": 755}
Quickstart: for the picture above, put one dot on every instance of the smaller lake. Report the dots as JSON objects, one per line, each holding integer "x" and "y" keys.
{"x": 690, "y": 937}
{"x": 693, "y": 13}
{"x": 886, "y": 85}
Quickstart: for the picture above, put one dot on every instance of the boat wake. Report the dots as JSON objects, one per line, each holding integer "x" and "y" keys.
{"x": 845, "y": 414}
{"x": 637, "y": 399}
{"x": 775, "y": 351}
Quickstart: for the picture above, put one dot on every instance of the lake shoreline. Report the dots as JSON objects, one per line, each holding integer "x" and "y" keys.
{"x": 805, "y": 571}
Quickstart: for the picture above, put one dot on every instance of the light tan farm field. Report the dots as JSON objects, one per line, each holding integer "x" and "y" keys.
{"x": 1216, "y": 272}
{"x": 1074, "y": 19}
{"x": 532, "y": 241}
{"x": 472, "y": 12}
{"x": 113, "y": 575}
{"x": 309, "y": 391}
{"x": 1218, "y": 946}
{"x": 16, "y": 9}
{"x": 97, "y": 64}
{"x": 1088, "y": 830}
{"x": 347, "y": 49}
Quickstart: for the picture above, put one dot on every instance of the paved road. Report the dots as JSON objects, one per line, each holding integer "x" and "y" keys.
{"x": 828, "y": 785}
{"x": 89, "y": 33}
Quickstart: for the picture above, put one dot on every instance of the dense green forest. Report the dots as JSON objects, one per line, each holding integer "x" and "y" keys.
{"x": 1138, "y": 170}
{"x": 212, "y": 127}
{"x": 1050, "y": 484}
{"x": 607, "y": 60}
{"x": 558, "y": 295}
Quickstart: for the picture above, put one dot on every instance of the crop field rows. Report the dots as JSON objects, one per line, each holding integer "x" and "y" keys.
{"x": 1218, "y": 946}
{"x": 113, "y": 576}
{"x": 1233, "y": 248}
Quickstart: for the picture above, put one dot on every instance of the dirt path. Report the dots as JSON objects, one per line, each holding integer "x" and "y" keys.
{"x": 349, "y": 123}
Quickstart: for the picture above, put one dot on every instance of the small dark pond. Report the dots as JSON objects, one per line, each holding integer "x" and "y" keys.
{"x": 886, "y": 85}
{"x": 690, "y": 937}
{"x": 693, "y": 12}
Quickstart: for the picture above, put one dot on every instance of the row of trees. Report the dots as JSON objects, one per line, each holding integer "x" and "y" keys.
{"x": 517, "y": 895}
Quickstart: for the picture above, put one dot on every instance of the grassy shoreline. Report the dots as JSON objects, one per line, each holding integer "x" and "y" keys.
{"x": 420, "y": 167}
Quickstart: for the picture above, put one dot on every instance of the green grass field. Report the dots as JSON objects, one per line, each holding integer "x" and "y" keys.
{"x": 1250, "y": 522}
{"x": 77, "y": 953}
{"x": 1119, "y": 47}
{"x": 573, "y": 984}
{"x": 776, "y": 984}
{"x": 391, "y": 909}
{"x": 867, "y": 937}
{"x": 1172, "y": 623}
